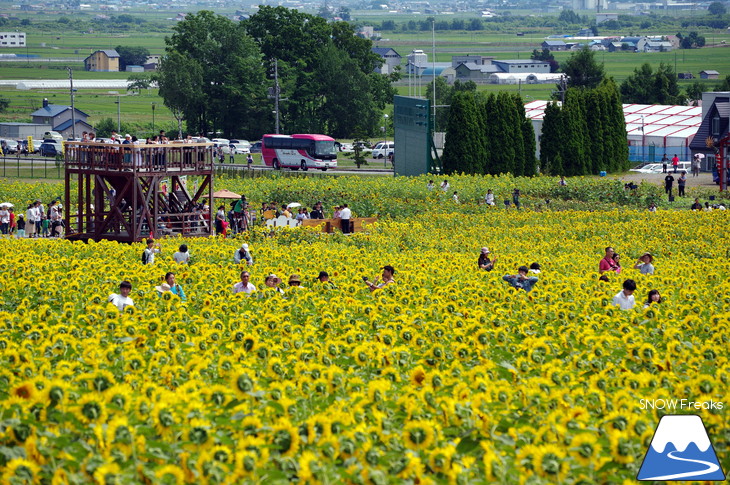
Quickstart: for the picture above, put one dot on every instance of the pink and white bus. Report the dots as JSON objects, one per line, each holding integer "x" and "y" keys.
{"x": 299, "y": 151}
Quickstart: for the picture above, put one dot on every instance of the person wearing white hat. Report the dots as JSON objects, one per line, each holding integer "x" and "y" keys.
{"x": 484, "y": 262}
{"x": 243, "y": 254}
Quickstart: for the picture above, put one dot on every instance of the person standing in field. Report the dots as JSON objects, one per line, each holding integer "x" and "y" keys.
{"x": 675, "y": 162}
{"x": 681, "y": 183}
{"x": 345, "y": 215}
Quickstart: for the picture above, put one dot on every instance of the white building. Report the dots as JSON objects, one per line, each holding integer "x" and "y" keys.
{"x": 12, "y": 39}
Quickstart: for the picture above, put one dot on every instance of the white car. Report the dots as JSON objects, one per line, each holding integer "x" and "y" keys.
{"x": 222, "y": 143}
{"x": 383, "y": 149}
{"x": 648, "y": 168}
{"x": 240, "y": 146}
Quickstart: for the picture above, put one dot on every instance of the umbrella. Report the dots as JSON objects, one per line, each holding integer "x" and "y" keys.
{"x": 293, "y": 205}
{"x": 700, "y": 155}
{"x": 6, "y": 204}
{"x": 225, "y": 194}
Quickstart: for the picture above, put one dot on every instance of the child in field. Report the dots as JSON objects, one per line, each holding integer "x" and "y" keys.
{"x": 45, "y": 224}
{"x": 21, "y": 226}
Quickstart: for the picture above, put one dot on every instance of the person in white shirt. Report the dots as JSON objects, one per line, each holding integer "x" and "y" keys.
{"x": 624, "y": 299}
{"x": 345, "y": 215}
{"x": 430, "y": 185}
{"x": 455, "y": 197}
{"x": 148, "y": 257}
{"x": 445, "y": 186}
{"x": 4, "y": 220}
{"x": 244, "y": 286}
{"x": 32, "y": 216}
{"x": 489, "y": 198}
{"x": 122, "y": 299}
{"x": 182, "y": 256}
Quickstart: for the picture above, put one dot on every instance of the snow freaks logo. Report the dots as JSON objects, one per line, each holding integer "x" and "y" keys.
{"x": 681, "y": 450}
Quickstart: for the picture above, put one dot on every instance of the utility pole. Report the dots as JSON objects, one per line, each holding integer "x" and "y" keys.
{"x": 73, "y": 104}
{"x": 433, "y": 66}
{"x": 277, "y": 91}
{"x": 119, "y": 114}
{"x": 274, "y": 94}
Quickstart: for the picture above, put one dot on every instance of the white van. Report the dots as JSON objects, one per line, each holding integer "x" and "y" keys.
{"x": 383, "y": 149}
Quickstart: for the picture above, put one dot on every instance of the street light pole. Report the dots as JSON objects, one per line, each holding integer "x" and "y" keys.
{"x": 385, "y": 134}
{"x": 154, "y": 105}
{"x": 73, "y": 105}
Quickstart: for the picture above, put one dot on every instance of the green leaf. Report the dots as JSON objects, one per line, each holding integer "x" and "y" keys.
{"x": 467, "y": 445}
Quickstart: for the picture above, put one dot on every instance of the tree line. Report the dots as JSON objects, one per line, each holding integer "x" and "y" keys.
{"x": 488, "y": 134}
{"x": 218, "y": 75}
{"x": 586, "y": 134}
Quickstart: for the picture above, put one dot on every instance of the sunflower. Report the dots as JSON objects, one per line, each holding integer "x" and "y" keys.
{"x": 419, "y": 435}
{"x": 20, "y": 470}
{"x": 91, "y": 408}
{"x": 25, "y": 390}
{"x": 285, "y": 438}
{"x": 308, "y": 465}
{"x": 108, "y": 474}
{"x": 170, "y": 474}
{"x": 623, "y": 449}
{"x": 418, "y": 376}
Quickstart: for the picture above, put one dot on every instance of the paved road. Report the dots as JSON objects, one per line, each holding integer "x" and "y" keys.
{"x": 332, "y": 171}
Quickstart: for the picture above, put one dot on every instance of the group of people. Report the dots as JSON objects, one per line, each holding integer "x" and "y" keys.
{"x": 522, "y": 280}
{"x": 489, "y": 197}
{"x": 695, "y": 167}
{"x": 122, "y": 299}
{"x": 38, "y": 220}
{"x": 526, "y": 278}
{"x": 624, "y": 299}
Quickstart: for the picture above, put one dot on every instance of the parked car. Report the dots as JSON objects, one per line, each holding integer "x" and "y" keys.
{"x": 256, "y": 147}
{"x": 9, "y": 146}
{"x": 52, "y": 136}
{"x": 50, "y": 149}
{"x": 383, "y": 149}
{"x": 223, "y": 143}
{"x": 240, "y": 146}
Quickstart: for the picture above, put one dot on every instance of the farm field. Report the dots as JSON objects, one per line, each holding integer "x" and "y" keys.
{"x": 448, "y": 376}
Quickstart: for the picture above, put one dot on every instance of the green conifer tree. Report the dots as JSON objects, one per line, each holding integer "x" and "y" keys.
{"x": 529, "y": 166}
{"x": 551, "y": 140}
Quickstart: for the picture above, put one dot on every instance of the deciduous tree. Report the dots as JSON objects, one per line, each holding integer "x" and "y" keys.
{"x": 583, "y": 70}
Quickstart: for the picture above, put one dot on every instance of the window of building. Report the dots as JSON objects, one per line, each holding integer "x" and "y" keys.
{"x": 716, "y": 125}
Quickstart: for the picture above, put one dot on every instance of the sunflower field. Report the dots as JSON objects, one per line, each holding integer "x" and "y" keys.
{"x": 448, "y": 376}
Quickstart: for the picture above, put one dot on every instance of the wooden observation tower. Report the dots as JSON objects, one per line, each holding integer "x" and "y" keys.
{"x": 119, "y": 195}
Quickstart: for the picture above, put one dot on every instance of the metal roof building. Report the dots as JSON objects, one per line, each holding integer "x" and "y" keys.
{"x": 652, "y": 130}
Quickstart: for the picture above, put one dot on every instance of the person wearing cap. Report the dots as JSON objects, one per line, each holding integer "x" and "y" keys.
{"x": 171, "y": 285}
{"x": 122, "y": 300}
{"x": 244, "y": 286}
{"x": 272, "y": 281}
{"x": 644, "y": 264}
{"x": 243, "y": 254}
{"x": 387, "y": 279}
{"x": 324, "y": 278}
{"x": 295, "y": 280}
{"x": 484, "y": 262}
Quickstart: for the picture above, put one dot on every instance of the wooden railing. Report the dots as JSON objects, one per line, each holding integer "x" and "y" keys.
{"x": 186, "y": 157}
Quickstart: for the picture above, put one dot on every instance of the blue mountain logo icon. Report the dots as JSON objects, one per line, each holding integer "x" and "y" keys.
{"x": 681, "y": 450}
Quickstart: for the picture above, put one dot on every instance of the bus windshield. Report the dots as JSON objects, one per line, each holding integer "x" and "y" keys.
{"x": 325, "y": 149}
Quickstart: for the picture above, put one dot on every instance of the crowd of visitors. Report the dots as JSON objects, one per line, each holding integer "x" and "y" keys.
{"x": 37, "y": 221}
